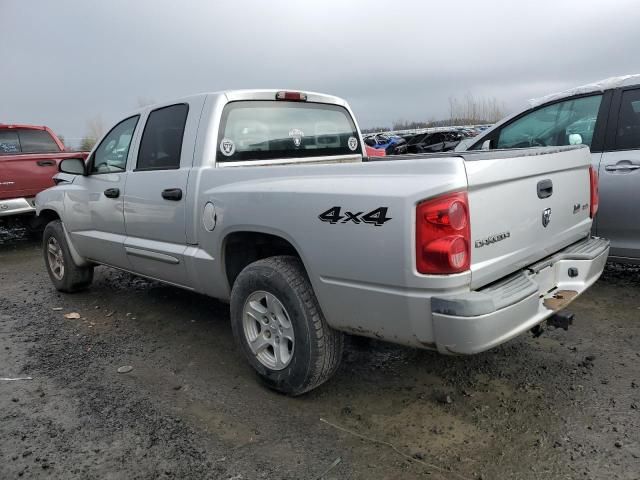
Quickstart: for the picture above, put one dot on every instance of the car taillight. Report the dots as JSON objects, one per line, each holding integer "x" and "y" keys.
{"x": 595, "y": 194}
{"x": 443, "y": 236}
{"x": 292, "y": 96}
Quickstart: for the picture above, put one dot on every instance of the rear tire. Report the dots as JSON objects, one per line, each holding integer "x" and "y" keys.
{"x": 65, "y": 275}
{"x": 278, "y": 325}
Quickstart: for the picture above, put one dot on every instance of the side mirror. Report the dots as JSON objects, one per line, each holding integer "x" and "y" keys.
{"x": 74, "y": 166}
{"x": 575, "y": 139}
{"x": 486, "y": 145}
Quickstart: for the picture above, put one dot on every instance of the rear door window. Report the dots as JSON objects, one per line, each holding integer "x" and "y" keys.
{"x": 161, "y": 143}
{"x": 37, "y": 141}
{"x": 271, "y": 130}
{"x": 9, "y": 142}
{"x": 628, "y": 130}
{"x": 571, "y": 122}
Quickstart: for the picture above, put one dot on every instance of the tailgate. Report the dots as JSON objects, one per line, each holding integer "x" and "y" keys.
{"x": 525, "y": 205}
{"x": 27, "y": 175}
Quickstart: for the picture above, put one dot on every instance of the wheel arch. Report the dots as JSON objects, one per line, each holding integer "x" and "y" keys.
{"x": 47, "y": 215}
{"x": 243, "y": 247}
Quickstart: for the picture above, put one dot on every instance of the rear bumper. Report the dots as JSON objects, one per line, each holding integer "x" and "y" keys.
{"x": 17, "y": 206}
{"x": 476, "y": 321}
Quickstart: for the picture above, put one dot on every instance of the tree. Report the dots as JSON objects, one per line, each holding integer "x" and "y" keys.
{"x": 95, "y": 130}
{"x": 472, "y": 111}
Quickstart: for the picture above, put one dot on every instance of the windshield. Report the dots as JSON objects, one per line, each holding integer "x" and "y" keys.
{"x": 267, "y": 130}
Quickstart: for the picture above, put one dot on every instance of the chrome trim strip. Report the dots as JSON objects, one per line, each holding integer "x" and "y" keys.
{"x": 160, "y": 257}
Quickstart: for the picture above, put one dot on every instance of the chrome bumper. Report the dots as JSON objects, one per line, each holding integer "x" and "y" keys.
{"x": 17, "y": 206}
{"x": 479, "y": 320}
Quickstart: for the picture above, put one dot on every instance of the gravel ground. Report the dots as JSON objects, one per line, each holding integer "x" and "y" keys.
{"x": 563, "y": 406}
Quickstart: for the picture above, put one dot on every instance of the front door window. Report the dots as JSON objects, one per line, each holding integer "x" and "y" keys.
{"x": 570, "y": 122}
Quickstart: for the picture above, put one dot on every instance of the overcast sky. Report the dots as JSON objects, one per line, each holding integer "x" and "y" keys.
{"x": 66, "y": 62}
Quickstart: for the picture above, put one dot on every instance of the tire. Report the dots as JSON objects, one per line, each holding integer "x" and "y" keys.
{"x": 315, "y": 352}
{"x": 69, "y": 278}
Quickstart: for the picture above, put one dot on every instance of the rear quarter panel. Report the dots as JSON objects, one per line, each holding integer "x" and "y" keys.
{"x": 349, "y": 264}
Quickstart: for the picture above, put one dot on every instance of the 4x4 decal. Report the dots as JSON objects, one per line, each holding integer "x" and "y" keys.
{"x": 377, "y": 217}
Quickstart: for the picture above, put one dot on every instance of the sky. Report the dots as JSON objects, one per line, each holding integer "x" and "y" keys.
{"x": 67, "y": 63}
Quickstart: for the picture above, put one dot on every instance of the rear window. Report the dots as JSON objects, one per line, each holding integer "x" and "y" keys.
{"x": 37, "y": 141}
{"x": 269, "y": 130}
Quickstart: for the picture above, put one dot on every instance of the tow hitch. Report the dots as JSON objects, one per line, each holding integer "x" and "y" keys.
{"x": 557, "y": 320}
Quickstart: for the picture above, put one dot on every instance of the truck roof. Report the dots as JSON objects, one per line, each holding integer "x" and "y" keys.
{"x": 20, "y": 125}
{"x": 250, "y": 94}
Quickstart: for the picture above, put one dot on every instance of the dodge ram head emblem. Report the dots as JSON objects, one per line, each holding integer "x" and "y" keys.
{"x": 546, "y": 217}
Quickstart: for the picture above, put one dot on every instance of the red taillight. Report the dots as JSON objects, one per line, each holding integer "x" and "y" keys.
{"x": 292, "y": 96}
{"x": 443, "y": 235}
{"x": 595, "y": 194}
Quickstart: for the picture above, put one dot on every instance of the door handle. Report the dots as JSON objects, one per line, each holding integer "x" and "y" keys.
{"x": 545, "y": 188}
{"x": 112, "y": 192}
{"x": 46, "y": 163}
{"x": 621, "y": 166}
{"x": 174, "y": 194}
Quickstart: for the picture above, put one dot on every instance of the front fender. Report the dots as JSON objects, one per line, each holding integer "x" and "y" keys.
{"x": 51, "y": 201}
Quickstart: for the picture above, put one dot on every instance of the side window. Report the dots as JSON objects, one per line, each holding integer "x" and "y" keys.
{"x": 628, "y": 131}
{"x": 571, "y": 122}
{"x": 161, "y": 142}
{"x": 37, "y": 141}
{"x": 9, "y": 143}
{"x": 111, "y": 154}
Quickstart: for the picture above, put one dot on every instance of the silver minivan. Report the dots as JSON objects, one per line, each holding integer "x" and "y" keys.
{"x": 605, "y": 116}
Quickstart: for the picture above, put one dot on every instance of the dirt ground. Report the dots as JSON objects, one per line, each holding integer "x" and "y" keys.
{"x": 563, "y": 406}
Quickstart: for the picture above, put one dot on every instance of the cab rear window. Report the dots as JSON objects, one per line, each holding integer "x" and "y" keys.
{"x": 271, "y": 130}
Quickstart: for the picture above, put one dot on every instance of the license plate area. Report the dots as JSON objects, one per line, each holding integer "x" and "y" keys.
{"x": 554, "y": 299}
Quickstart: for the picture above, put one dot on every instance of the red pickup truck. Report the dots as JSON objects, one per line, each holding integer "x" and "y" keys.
{"x": 29, "y": 158}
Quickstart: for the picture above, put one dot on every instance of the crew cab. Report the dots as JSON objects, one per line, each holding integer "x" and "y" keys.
{"x": 29, "y": 159}
{"x": 605, "y": 116}
{"x": 265, "y": 199}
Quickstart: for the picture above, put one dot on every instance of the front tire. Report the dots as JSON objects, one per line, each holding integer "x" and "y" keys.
{"x": 65, "y": 275}
{"x": 278, "y": 325}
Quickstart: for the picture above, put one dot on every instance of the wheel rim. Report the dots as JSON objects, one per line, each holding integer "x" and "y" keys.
{"x": 268, "y": 330}
{"x": 55, "y": 258}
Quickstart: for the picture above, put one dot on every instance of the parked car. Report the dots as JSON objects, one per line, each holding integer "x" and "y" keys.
{"x": 604, "y": 116}
{"x": 374, "y": 152}
{"x": 29, "y": 158}
{"x": 389, "y": 144}
{"x": 260, "y": 198}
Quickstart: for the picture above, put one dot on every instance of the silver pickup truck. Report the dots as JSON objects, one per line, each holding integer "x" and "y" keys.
{"x": 264, "y": 199}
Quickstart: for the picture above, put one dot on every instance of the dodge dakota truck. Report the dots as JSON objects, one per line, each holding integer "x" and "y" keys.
{"x": 265, "y": 199}
{"x": 29, "y": 158}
